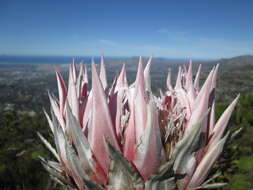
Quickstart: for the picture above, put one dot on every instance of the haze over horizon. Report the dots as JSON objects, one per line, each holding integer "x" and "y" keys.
{"x": 174, "y": 29}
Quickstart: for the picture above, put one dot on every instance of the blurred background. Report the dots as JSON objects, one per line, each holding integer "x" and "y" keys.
{"x": 37, "y": 37}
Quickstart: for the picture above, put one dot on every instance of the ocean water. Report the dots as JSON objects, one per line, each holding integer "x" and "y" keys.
{"x": 27, "y": 60}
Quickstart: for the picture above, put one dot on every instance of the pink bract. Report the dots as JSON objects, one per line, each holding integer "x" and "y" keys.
{"x": 124, "y": 137}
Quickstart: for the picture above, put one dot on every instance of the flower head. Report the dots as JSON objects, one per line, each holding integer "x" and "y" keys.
{"x": 124, "y": 137}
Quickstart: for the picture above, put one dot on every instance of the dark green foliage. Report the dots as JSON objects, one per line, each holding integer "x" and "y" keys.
{"x": 236, "y": 163}
{"x": 19, "y": 151}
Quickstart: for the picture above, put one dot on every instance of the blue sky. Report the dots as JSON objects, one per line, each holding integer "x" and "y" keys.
{"x": 175, "y": 29}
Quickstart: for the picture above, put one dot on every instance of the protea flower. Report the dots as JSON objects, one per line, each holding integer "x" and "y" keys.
{"x": 124, "y": 137}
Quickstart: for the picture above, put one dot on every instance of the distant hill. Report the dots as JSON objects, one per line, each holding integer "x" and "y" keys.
{"x": 238, "y": 61}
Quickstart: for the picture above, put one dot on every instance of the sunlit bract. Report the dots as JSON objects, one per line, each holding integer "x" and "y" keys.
{"x": 124, "y": 137}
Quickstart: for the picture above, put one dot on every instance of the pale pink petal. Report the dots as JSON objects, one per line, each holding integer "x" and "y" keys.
{"x": 136, "y": 125}
{"x": 73, "y": 70}
{"x": 201, "y": 104}
{"x": 196, "y": 81}
{"x": 205, "y": 164}
{"x": 205, "y": 90}
{"x": 212, "y": 120}
{"x": 102, "y": 74}
{"x": 61, "y": 90}
{"x": 184, "y": 101}
{"x": 130, "y": 138}
{"x": 147, "y": 75}
{"x": 87, "y": 162}
{"x": 85, "y": 77}
{"x": 122, "y": 80}
{"x": 189, "y": 76}
{"x": 144, "y": 126}
{"x": 140, "y": 102}
{"x": 111, "y": 91}
{"x": 49, "y": 146}
{"x": 119, "y": 114}
{"x": 87, "y": 113}
{"x": 56, "y": 110}
{"x": 101, "y": 124}
{"x": 72, "y": 94}
{"x": 84, "y": 83}
{"x": 49, "y": 121}
{"x": 120, "y": 88}
{"x": 179, "y": 79}
{"x": 220, "y": 126}
{"x": 168, "y": 81}
{"x": 149, "y": 152}
{"x": 191, "y": 94}
{"x": 130, "y": 93}
{"x": 79, "y": 82}
{"x": 214, "y": 80}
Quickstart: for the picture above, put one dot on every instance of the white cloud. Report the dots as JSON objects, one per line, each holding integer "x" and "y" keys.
{"x": 191, "y": 45}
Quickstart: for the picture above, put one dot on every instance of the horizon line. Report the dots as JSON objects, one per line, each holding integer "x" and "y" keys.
{"x": 116, "y": 56}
